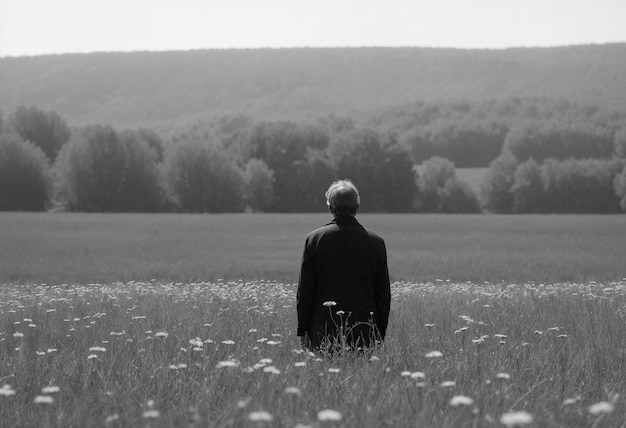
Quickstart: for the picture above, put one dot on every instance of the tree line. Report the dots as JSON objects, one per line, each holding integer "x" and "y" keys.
{"x": 550, "y": 185}
{"x": 237, "y": 164}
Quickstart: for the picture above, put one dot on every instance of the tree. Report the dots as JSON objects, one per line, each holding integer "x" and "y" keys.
{"x": 620, "y": 143}
{"x": 380, "y": 167}
{"x": 90, "y": 171}
{"x": 466, "y": 143}
{"x": 102, "y": 171}
{"x": 25, "y": 180}
{"x": 496, "y": 186}
{"x": 141, "y": 191}
{"x": 559, "y": 141}
{"x": 46, "y": 129}
{"x": 147, "y": 138}
{"x": 199, "y": 178}
{"x": 458, "y": 197}
{"x": 527, "y": 188}
{"x": 284, "y": 147}
{"x": 432, "y": 178}
{"x": 440, "y": 190}
{"x": 307, "y": 182}
{"x": 581, "y": 186}
{"x": 620, "y": 188}
{"x": 259, "y": 180}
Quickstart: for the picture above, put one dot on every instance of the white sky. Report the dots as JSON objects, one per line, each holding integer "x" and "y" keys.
{"x": 34, "y": 27}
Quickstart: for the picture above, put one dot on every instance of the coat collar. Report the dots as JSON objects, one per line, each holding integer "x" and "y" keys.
{"x": 344, "y": 219}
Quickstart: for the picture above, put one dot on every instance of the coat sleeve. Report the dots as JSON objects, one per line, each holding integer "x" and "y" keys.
{"x": 382, "y": 291}
{"x": 305, "y": 299}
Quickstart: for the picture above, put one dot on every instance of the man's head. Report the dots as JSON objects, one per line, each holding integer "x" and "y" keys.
{"x": 343, "y": 198}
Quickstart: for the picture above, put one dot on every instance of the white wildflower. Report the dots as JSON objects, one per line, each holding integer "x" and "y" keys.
{"x": 293, "y": 390}
{"x": 151, "y": 414}
{"x": 6, "y": 391}
{"x": 112, "y": 418}
{"x": 272, "y": 370}
{"x": 513, "y": 419}
{"x": 569, "y": 401}
{"x": 328, "y": 415}
{"x": 260, "y": 416}
{"x": 461, "y": 400}
{"x": 601, "y": 408}
{"x": 227, "y": 364}
{"x": 43, "y": 399}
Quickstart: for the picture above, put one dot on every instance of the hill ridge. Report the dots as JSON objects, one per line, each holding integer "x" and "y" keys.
{"x": 164, "y": 89}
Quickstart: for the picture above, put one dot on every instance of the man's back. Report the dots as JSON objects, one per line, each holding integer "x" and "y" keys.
{"x": 345, "y": 264}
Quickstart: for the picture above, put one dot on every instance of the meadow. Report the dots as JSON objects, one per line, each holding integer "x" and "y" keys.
{"x": 496, "y": 321}
{"x": 224, "y": 354}
{"x": 85, "y": 248}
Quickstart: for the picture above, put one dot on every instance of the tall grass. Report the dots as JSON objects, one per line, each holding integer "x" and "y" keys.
{"x": 225, "y": 354}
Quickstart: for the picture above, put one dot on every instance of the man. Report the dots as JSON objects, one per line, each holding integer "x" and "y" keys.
{"x": 343, "y": 296}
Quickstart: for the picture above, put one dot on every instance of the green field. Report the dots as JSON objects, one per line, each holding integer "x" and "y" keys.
{"x": 225, "y": 355}
{"x": 541, "y": 342}
{"x": 87, "y": 248}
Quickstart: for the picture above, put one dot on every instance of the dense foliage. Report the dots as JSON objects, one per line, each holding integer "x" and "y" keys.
{"x": 199, "y": 178}
{"x": 103, "y": 170}
{"x": 170, "y": 89}
{"x": 25, "y": 181}
{"x": 441, "y": 190}
{"x": 570, "y": 186}
{"x": 543, "y": 156}
{"x": 46, "y": 129}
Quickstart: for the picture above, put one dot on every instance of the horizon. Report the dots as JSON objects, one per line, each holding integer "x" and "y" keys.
{"x": 278, "y": 48}
{"x": 39, "y": 27}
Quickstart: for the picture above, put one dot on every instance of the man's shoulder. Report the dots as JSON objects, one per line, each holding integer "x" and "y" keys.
{"x": 322, "y": 230}
{"x": 374, "y": 236}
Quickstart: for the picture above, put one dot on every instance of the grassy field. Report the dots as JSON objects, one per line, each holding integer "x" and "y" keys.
{"x": 514, "y": 333}
{"x": 225, "y": 355}
{"x": 87, "y": 248}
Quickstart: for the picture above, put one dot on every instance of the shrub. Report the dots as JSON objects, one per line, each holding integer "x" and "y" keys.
{"x": 25, "y": 180}
{"x": 45, "y": 129}
{"x": 198, "y": 178}
{"x": 100, "y": 170}
{"x": 620, "y": 188}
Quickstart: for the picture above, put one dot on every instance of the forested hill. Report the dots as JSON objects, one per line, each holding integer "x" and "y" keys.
{"x": 175, "y": 88}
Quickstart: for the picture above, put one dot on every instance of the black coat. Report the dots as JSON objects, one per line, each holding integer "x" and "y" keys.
{"x": 346, "y": 264}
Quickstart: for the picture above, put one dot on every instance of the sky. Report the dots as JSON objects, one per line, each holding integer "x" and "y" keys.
{"x": 38, "y": 27}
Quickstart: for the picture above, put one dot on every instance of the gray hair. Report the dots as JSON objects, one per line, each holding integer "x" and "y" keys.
{"x": 342, "y": 197}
